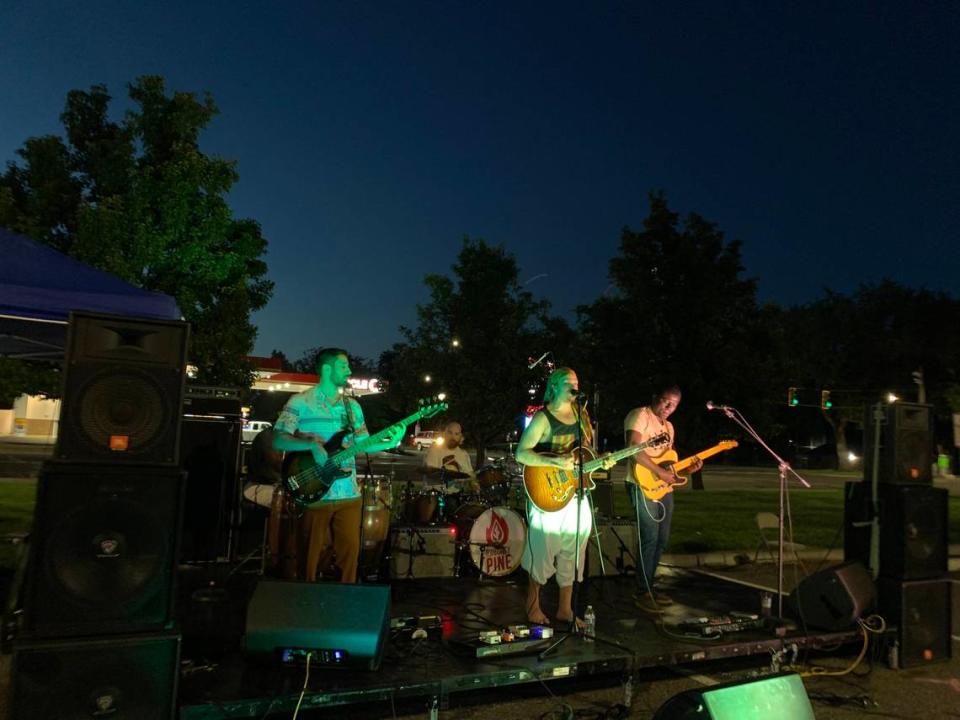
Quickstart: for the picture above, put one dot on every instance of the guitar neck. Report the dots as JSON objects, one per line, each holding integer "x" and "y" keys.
{"x": 361, "y": 445}
{"x": 709, "y": 452}
{"x": 617, "y": 456}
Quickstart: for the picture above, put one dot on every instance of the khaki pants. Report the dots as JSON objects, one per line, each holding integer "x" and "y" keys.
{"x": 335, "y": 524}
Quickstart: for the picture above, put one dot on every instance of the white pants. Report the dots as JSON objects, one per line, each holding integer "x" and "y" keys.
{"x": 552, "y": 542}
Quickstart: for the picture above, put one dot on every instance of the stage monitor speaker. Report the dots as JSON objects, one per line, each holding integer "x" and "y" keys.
{"x": 123, "y": 390}
{"x": 906, "y": 443}
{"x": 780, "y": 696}
{"x": 343, "y": 626}
{"x": 834, "y": 598}
{"x": 121, "y": 678}
{"x": 913, "y": 528}
{"x": 210, "y": 457}
{"x": 921, "y": 610}
{"x": 103, "y": 550}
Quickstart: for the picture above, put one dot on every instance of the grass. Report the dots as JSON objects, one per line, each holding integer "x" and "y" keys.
{"x": 16, "y": 515}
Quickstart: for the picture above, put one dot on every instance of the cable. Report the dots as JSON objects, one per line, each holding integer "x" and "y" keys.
{"x": 867, "y": 628}
{"x": 306, "y": 679}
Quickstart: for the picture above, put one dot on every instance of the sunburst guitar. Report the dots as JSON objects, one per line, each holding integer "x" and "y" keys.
{"x": 654, "y": 488}
{"x": 551, "y": 488}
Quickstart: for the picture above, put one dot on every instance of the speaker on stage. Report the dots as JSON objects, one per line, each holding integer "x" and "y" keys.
{"x": 906, "y": 443}
{"x": 343, "y": 626}
{"x": 777, "y": 696}
{"x": 618, "y": 542}
{"x": 103, "y": 550}
{"x": 210, "y": 457}
{"x": 834, "y": 598}
{"x": 121, "y": 678}
{"x": 921, "y": 610}
{"x": 913, "y": 528}
{"x": 123, "y": 390}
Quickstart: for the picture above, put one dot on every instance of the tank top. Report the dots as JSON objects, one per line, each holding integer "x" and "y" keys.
{"x": 563, "y": 436}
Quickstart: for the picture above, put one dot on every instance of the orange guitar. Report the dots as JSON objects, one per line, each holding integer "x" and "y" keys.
{"x": 654, "y": 488}
{"x": 550, "y": 488}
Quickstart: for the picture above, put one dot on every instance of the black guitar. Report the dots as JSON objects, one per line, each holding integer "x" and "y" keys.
{"x": 307, "y": 482}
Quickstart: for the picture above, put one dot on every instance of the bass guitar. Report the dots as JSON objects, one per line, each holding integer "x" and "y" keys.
{"x": 306, "y": 482}
{"x": 654, "y": 488}
{"x": 551, "y": 488}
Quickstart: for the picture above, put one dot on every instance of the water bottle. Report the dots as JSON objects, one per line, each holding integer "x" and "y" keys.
{"x": 590, "y": 624}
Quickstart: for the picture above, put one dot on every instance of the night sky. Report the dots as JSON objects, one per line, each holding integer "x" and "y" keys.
{"x": 371, "y": 137}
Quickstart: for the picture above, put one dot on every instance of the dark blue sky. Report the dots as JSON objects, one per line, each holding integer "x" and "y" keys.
{"x": 371, "y": 137}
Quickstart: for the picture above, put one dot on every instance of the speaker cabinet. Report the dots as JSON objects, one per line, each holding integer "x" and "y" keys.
{"x": 343, "y": 626}
{"x": 423, "y": 552}
{"x": 122, "y": 678}
{"x": 921, "y": 610}
{"x": 776, "y": 696}
{"x": 906, "y": 443}
{"x": 618, "y": 543}
{"x": 834, "y": 598}
{"x": 210, "y": 457}
{"x": 123, "y": 390}
{"x": 103, "y": 551}
{"x": 913, "y": 528}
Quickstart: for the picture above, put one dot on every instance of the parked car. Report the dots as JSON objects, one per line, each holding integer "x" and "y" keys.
{"x": 252, "y": 427}
{"x": 425, "y": 439}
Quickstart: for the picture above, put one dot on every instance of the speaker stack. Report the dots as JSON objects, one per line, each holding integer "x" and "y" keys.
{"x": 913, "y": 593}
{"x": 97, "y": 637}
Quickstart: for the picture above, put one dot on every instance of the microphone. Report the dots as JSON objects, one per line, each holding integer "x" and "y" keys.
{"x": 712, "y": 406}
{"x": 539, "y": 360}
{"x": 577, "y": 395}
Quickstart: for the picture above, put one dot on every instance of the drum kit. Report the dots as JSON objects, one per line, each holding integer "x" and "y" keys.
{"x": 486, "y": 517}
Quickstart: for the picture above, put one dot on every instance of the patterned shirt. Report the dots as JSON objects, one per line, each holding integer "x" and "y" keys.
{"x": 312, "y": 412}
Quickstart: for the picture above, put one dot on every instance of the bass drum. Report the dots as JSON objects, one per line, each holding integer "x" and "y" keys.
{"x": 494, "y": 536}
{"x": 377, "y": 507}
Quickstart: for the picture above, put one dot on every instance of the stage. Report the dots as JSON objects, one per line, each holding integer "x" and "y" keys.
{"x": 217, "y": 681}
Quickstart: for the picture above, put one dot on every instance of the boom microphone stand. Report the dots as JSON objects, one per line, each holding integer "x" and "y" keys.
{"x": 783, "y": 468}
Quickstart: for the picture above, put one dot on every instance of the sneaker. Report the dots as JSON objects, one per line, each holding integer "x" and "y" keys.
{"x": 663, "y": 599}
{"x": 646, "y": 604}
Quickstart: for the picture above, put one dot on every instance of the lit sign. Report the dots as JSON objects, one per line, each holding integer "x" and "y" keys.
{"x": 369, "y": 384}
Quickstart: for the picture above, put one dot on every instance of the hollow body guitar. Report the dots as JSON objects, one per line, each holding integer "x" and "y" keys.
{"x": 551, "y": 488}
{"x": 307, "y": 482}
{"x": 654, "y": 488}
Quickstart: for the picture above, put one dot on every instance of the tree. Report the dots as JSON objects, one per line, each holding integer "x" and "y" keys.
{"x": 139, "y": 199}
{"x": 677, "y": 311}
{"x": 18, "y": 377}
{"x": 495, "y": 324}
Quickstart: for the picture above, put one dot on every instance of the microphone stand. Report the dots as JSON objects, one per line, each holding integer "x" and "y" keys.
{"x": 784, "y": 469}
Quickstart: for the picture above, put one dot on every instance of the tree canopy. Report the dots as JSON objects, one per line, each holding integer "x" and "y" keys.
{"x": 138, "y": 198}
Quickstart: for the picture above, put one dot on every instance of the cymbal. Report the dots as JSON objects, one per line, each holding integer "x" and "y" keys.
{"x": 445, "y": 473}
{"x": 399, "y": 451}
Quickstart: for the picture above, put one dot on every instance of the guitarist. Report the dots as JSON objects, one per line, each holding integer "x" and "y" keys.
{"x": 653, "y": 517}
{"x": 306, "y": 423}
{"x": 552, "y": 536}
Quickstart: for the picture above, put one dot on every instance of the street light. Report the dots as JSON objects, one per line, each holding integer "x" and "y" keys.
{"x": 455, "y": 343}
{"x": 427, "y": 378}
{"x": 891, "y": 398}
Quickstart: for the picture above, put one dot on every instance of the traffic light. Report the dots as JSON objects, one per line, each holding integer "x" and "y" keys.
{"x": 792, "y": 399}
{"x": 825, "y": 401}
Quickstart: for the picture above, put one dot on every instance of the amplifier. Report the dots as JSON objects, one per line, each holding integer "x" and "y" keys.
{"x": 618, "y": 541}
{"x": 422, "y": 552}
{"x": 203, "y": 400}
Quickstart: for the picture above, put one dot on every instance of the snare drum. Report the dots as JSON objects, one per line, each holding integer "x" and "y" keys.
{"x": 495, "y": 536}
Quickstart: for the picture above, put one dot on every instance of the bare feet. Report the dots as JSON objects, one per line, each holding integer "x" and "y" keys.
{"x": 537, "y": 617}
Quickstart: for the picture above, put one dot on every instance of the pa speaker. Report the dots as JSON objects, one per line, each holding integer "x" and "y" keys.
{"x": 921, "y": 611}
{"x": 104, "y": 548}
{"x": 341, "y": 626}
{"x": 913, "y": 528}
{"x": 123, "y": 390}
{"x": 906, "y": 443}
{"x": 123, "y": 678}
{"x": 777, "y": 696}
{"x": 834, "y": 598}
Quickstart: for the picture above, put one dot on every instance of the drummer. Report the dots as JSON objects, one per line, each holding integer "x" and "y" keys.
{"x": 450, "y": 462}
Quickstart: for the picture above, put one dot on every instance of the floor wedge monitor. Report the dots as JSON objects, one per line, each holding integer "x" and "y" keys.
{"x": 780, "y": 696}
{"x": 834, "y": 598}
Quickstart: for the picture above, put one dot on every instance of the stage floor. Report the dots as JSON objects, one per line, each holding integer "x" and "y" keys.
{"x": 217, "y": 682}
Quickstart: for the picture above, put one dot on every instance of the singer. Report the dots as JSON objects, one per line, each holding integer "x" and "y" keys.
{"x": 653, "y": 517}
{"x": 552, "y": 536}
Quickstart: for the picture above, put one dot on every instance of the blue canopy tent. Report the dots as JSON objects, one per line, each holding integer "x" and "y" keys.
{"x": 40, "y": 286}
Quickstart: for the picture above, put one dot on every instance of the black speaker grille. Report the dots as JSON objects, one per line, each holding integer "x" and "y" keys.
{"x": 121, "y": 402}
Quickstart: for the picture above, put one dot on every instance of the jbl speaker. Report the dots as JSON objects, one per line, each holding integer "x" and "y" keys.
{"x": 834, "y": 598}
{"x": 906, "y": 443}
{"x": 123, "y": 390}
{"x": 104, "y": 550}
{"x": 340, "y": 626}
{"x": 913, "y": 528}
{"x": 775, "y": 696}
{"x": 121, "y": 678}
{"x": 921, "y": 610}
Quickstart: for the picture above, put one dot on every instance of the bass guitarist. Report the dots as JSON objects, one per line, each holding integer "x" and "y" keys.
{"x": 653, "y": 517}
{"x": 306, "y": 423}
{"x": 552, "y": 537}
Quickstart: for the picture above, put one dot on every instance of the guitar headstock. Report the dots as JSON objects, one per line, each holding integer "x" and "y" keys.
{"x": 727, "y": 444}
{"x": 431, "y": 406}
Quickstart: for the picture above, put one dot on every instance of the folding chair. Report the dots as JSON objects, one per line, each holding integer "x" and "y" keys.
{"x": 767, "y": 521}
